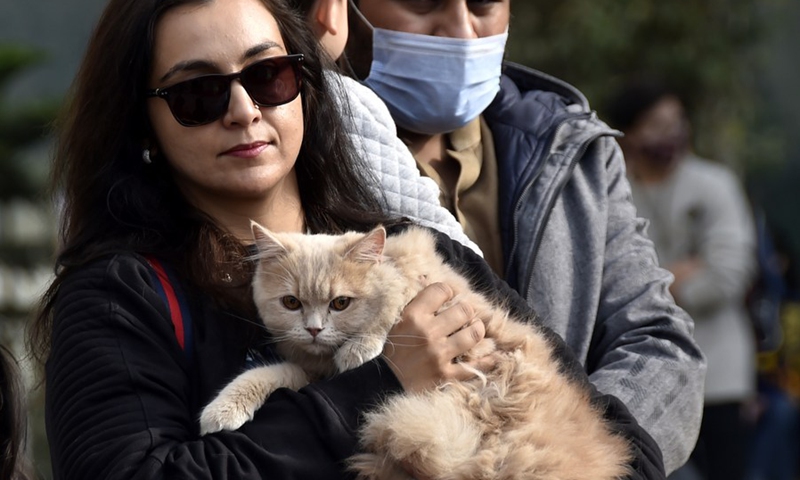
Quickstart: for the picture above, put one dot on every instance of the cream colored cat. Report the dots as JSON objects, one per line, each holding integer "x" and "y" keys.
{"x": 329, "y": 301}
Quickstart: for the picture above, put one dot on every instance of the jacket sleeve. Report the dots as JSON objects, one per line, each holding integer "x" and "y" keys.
{"x": 646, "y": 463}
{"x": 118, "y": 396}
{"x": 642, "y": 347}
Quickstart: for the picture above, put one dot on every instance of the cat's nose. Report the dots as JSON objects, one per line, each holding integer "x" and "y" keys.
{"x": 313, "y": 331}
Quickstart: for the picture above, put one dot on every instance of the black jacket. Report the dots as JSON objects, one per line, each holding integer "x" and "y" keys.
{"x": 123, "y": 399}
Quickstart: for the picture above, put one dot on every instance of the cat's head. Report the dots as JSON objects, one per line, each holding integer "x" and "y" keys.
{"x": 314, "y": 292}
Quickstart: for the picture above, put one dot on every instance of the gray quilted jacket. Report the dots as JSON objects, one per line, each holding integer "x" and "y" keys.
{"x": 576, "y": 251}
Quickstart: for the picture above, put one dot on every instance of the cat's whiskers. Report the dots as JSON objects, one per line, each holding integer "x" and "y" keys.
{"x": 391, "y": 340}
{"x": 391, "y": 363}
{"x": 276, "y": 337}
{"x": 247, "y": 320}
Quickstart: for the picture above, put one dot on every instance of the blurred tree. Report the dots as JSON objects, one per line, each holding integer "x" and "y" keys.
{"x": 20, "y": 127}
{"x": 26, "y": 226}
{"x": 25, "y": 229}
{"x": 711, "y": 50}
{"x": 734, "y": 61}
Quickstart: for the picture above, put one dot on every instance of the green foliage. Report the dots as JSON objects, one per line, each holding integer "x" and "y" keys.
{"x": 14, "y": 58}
{"x": 707, "y": 49}
{"x": 21, "y": 127}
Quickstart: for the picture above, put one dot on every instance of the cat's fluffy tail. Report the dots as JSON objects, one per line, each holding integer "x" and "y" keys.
{"x": 429, "y": 430}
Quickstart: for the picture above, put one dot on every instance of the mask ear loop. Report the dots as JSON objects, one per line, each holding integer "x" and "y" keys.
{"x": 354, "y": 7}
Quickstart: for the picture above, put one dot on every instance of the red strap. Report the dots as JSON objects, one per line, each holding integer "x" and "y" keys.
{"x": 172, "y": 299}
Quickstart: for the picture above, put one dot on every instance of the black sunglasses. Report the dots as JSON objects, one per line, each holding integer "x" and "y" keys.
{"x": 271, "y": 82}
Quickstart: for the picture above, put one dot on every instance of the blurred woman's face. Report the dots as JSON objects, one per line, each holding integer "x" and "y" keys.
{"x": 248, "y": 154}
{"x": 660, "y": 137}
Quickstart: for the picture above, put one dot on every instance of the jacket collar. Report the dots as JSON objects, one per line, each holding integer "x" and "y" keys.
{"x": 539, "y": 125}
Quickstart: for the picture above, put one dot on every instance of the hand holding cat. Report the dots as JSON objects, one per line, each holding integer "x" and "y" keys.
{"x": 421, "y": 347}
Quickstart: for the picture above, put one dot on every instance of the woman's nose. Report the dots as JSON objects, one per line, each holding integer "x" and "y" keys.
{"x": 242, "y": 110}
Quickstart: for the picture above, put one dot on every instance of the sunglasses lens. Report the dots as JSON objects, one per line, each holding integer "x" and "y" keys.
{"x": 199, "y": 101}
{"x": 272, "y": 82}
{"x": 202, "y": 100}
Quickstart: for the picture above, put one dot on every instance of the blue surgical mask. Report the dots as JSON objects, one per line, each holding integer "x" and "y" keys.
{"x": 435, "y": 84}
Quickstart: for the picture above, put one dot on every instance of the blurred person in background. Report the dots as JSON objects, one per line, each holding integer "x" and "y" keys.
{"x": 538, "y": 182}
{"x": 775, "y": 450}
{"x": 702, "y": 227}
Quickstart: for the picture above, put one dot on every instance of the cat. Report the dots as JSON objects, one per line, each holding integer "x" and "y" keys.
{"x": 330, "y": 301}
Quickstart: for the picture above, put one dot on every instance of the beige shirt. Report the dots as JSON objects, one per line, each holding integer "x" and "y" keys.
{"x": 473, "y": 197}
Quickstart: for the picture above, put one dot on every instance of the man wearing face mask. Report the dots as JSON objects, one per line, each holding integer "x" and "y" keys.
{"x": 702, "y": 227}
{"x": 538, "y": 182}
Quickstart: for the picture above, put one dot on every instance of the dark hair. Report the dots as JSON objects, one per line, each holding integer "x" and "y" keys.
{"x": 12, "y": 419}
{"x": 114, "y": 202}
{"x": 303, "y": 7}
{"x": 634, "y": 99}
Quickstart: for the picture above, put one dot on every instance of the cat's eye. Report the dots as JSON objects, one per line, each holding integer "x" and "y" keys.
{"x": 291, "y": 302}
{"x": 340, "y": 303}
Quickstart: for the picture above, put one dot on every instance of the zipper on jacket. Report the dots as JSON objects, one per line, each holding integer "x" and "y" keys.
{"x": 526, "y": 189}
{"x": 539, "y": 235}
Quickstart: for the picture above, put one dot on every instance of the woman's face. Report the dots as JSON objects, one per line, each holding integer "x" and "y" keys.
{"x": 660, "y": 137}
{"x": 248, "y": 154}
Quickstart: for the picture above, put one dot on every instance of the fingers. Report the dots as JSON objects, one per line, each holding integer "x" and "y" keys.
{"x": 432, "y": 300}
{"x": 433, "y": 331}
{"x": 419, "y": 324}
{"x": 466, "y": 370}
{"x": 465, "y": 338}
{"x": 429, "y": 300}
{"x": 455, "y": 323}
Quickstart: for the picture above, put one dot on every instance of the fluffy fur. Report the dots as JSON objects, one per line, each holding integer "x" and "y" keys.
{"x": 330, "y": 301}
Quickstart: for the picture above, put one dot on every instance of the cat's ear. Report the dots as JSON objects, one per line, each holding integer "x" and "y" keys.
{"x": 370, "y": 248}
{"x": 268, "y": 246}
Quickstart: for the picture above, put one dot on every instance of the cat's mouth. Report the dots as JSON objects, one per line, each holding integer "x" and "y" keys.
{"x": 316, "y": 347}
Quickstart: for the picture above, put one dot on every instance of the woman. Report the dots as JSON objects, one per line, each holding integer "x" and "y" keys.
{"x": 189, "y": 119}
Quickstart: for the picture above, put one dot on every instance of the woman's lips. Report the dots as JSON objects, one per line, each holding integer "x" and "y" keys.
{"x": 249, "y": 150}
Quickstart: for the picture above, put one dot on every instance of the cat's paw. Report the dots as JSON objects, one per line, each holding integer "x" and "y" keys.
{"x": 352, "y": 355}
{"x": 224, "y": 414}
{"x": 348, "y": 362}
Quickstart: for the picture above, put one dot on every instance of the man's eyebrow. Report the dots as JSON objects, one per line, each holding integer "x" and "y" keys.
{"x": 190, "y": 65}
